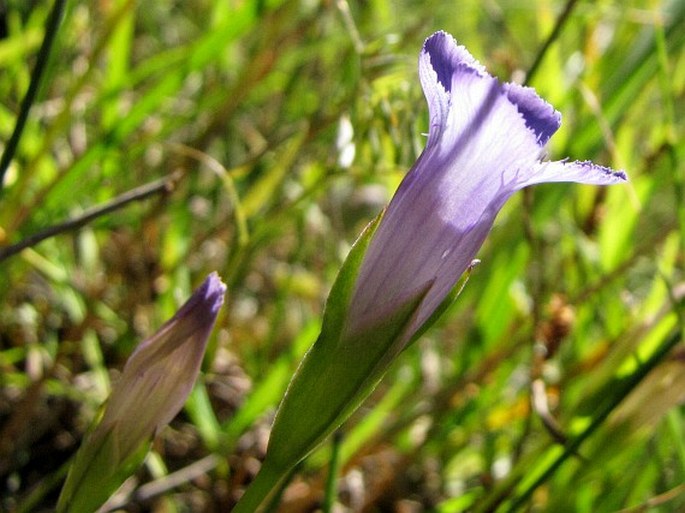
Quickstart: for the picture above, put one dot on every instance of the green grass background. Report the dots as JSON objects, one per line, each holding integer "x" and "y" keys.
{"x": 556, "y": 381}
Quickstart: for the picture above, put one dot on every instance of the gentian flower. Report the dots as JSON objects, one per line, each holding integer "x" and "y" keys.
{"x": 485, "y": 142}
{"x": 151, "y": 390}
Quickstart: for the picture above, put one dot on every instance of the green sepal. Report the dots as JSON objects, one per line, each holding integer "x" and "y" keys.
{"x": 97, "y": 471}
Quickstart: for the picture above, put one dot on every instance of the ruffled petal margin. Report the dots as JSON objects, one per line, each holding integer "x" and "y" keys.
{"x": 580, "y": 171}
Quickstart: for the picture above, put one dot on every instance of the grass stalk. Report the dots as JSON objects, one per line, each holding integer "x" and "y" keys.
{"x": 51, "y": 28}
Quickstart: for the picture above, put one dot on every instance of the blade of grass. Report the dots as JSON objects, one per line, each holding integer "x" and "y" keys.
{"x": 605, "y": 410}
{"x": 553, "y": 36}
{"x": 333, "y": 469}
{"x": 51, "y": 28}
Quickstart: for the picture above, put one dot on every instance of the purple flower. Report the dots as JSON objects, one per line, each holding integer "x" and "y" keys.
{"x": 161, "y": 372}
{"x": 485, "y": 142}
{"x": 151, "y": 390}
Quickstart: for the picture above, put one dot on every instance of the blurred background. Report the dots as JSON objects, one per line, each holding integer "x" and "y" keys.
{"x": 257, "y": 138}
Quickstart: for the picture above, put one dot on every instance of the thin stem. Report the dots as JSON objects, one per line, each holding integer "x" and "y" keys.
{"x": 51, "y": 27}
{"x": 334, "y": 467}
{"x": 165, "y": 184}
{"x": 218, "y": 168}
{"x": 561, "y": 21}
